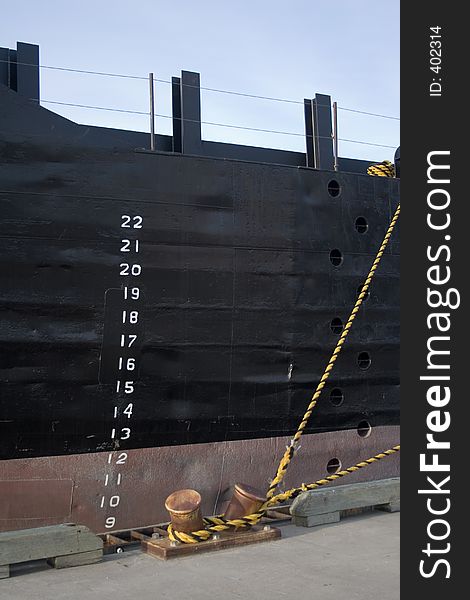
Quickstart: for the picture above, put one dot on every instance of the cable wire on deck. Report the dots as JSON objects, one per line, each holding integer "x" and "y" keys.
{"x": 241, "y": 127}
{"x": 206, "y": 89}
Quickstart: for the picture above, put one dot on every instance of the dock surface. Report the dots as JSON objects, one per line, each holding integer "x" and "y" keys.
{"x": 355, "y": 558}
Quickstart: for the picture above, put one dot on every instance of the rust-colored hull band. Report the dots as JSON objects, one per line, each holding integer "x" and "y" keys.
{"x": 63, "y": 489}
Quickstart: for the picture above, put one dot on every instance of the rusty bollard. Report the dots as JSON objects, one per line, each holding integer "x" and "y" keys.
{"x": 184, "y": 507}
{"x": 245, "y": 501}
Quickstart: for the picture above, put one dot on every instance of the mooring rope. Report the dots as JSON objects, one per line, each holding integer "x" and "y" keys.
{"x": 219, "y": 524}
{"x": 290, "y": 450}
{"x": 383, "y": 169}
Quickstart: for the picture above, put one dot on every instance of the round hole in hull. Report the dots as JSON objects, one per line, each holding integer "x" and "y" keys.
{"x": 336, "y": 257}
{"x": 336, "y": 325}
{"x": 363, "y": 360}
{"x": 364, "y": 429}
{"x": 334, "y": 189}
{"x": 333, "y": 466}
{"x": 361, "y": 225}
{"x": 336, "y": 397}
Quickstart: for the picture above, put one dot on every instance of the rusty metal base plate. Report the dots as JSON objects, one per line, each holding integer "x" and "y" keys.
{"x": 131, "y": 539}
{"x": 164, "y": 549}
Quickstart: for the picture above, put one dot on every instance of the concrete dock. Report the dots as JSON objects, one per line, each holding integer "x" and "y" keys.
{"x": 355, "y": 558}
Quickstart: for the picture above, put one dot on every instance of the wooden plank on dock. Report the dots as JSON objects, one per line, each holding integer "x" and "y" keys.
{"x": 76, "y": 560}
{"x": 59, "y": 543}
{"x": 321, "y": 506}
{"x": 4, "y": 571}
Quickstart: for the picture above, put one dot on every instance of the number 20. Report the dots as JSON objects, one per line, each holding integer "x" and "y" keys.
{"x": 135, "y": 269}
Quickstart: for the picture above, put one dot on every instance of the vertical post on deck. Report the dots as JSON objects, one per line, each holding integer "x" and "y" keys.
{"x": 176, "y": 114}
{"x": 309, "y": 134}
{"x": 191, "y": 142}
{"x": 322, "y": 128}
{"x": 152, "y": 113}
{"x": 335, "y": 135}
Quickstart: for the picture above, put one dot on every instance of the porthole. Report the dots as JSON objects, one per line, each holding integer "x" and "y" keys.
{"x": 336, "y": 258}
{"x": 336, "y": 397}
{"x": 334, "y": 189}
{"x": 333, "y": 466}
{"x": 361, "y": 225}
{"x": 363, "y": 360}
{"x": 364, "y": 429}
{"x": 336, "y": 325}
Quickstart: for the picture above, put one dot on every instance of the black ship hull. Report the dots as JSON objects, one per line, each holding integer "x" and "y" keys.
{"x": 154, "y": 299}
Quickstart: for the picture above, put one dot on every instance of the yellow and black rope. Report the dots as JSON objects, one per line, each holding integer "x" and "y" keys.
{"x": 290, "y": 450}
{"x": 219, "y": 524}
{"x": 383, "y": 169}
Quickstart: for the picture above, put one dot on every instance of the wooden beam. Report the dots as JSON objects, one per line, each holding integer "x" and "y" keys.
{"x": 56, "y": 542}
{"x": 321, "y": 506}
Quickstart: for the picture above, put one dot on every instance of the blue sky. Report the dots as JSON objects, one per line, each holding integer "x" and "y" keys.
{"x": 348, "y": 49}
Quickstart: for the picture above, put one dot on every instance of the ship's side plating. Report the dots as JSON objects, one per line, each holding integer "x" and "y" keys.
{"x": 165, "y": 316}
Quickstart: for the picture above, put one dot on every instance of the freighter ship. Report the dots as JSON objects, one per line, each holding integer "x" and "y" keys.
{"x": 166, "y": 312}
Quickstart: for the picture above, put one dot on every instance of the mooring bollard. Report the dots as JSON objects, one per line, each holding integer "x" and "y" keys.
{"x": 184, "y": 507}
{"x": 245, "y": 501}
